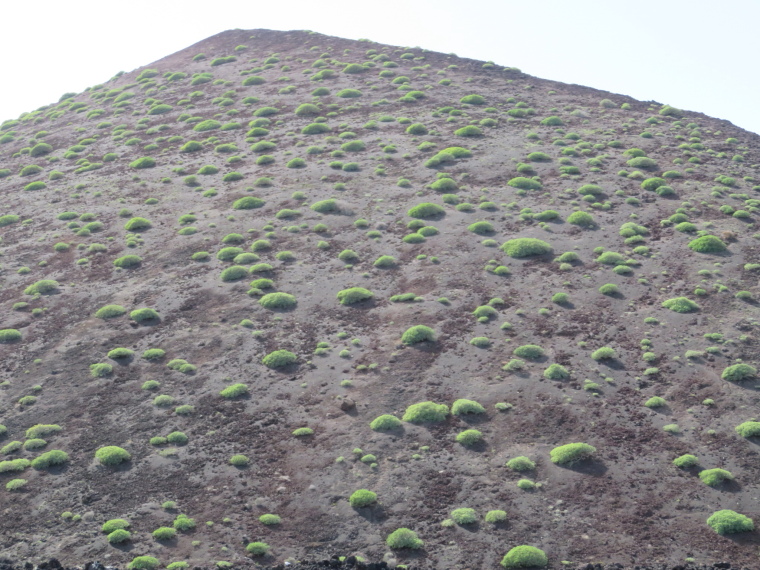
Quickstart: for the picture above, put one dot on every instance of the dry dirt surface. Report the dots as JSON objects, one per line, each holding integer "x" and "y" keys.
{"x": 72, "y": 185}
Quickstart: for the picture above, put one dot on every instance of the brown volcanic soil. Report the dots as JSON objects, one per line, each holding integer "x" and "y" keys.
{"x": 627, "y": 505}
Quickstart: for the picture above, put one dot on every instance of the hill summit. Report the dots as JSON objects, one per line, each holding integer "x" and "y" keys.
{"x": 284, "y": 295}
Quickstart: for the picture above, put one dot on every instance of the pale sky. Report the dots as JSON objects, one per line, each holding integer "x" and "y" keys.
{"x": 700, "y": 56}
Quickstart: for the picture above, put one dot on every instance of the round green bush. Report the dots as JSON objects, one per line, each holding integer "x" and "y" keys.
{"x": 418, "y": 333}
{"x": 523, "y": 183}
{"x": 137, "y": 224}
{"x": 603, "y": 353}
{"x": 653, "y": 184}
{"x": 9, "y": 335}
{"x": 303, "y": 431}
{"x": 279, "y": 359}
{"x": 239, "y": 460}
{"x": 464, "y": 407}
{"x": 481, "y": 228}
{"x": 127, "y": 261}
{"x": 183, "y": 522}
{"x": 525, "y": 247}
{"x": 42, "y": 287}
{"x": 145, "y": 314}
{"x": 326, "y": 206}
{"x": 257, "y": 548}
{"x": 233, "y": 273}
{"x": 282, "y": 301}
{"x": 50, "y": 458}
{"x": 571, "y": 453}
{"x": 525, "y": 557}
{"x": 426, "y": 210}
{"x": 114, "y": 524}
{"x": 469, "y": 131}
{"x": 143, "y": 563}
{"x": 464, "y": 516}
{"x": 144, "y": 162}
{"x": 153, "y": 354}
{"x": 119, "y": 536}
{"x": 655, "y": 402}
{"x": 354, "y": 295}
{"x": 234, "y": 391}
{"x": 521, "y": 463}
{"x": 739, "y": 372}
{"x": 386, "y": 422}
{"x": 707, "y": 244}
{"x": 748, "y": 429}
{"x": 117, "y": 353}
{"x": 714, "y": 477}
{"x": 164, "y": 533}
{"x": 270, "y": 519}
{"x": 495, "y": 516}
{"x": 727, "y": 521}
{"x": 530, "y": 351}
{"x": 112, "y": 455}
{"x": 556, "y": 372}
{"x": 100, "y": 370}
{"x": 385, "y": 261}
{"x": 426, "y": 412}
{"x": 681, "y": 305}
{"x": 579, "y": 218}
{"x": 686, "y": 460}
{"x": 403, "y": 538}
{"x": 362, "y": 498}
{"x": 469, "y": 437}
{"x": 247, "y": 203}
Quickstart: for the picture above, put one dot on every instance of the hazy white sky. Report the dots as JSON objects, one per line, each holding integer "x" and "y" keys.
{"x": 700, "y": 56}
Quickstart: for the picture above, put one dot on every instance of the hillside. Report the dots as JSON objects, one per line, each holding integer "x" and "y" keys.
{"x": 225, "y": 266}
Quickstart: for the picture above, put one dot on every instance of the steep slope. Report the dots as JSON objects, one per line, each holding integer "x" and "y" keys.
{"x": 316, "y": 157}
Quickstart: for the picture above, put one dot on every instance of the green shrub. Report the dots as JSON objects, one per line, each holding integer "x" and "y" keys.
{"x": 525, "y": 183}
{"x": 127, "y": 261}
{"x": 114, "y": 524}
{"x": 685, "y": 461}
{"x": 42, "y": 287}
{"x": 137, "y": 224}
{"x": 164, "y": 533}
{"x": 234, "y": 391}
{"x": 418, "y": 333}
{"x": 571, "y": 453}
{"x": 603, "y": 353}
{"x": 469, "y": 131}
{"x": 50, "y": 458}
{"x": 207, "y": 125}
{"x": 257, "y": 548}
{"x": 145, "y": 314}
{"x": 653, "y": 184}
{"x": 100, "y": 370}
{"x": 36, "y": 185}
{"x": 281, "y": 301}
{"x": 112, "y": 455}
{"x": 529, "y": 351}
{"x": 525, "y": 557}
{"x": 247, "y": 203}
{"x": 579, "y": 218}
{"x": 239, "y": 460}
{"x": 233, "y": 273}
{"x": 354, "y": 295}
{"x": 426, "y": 412}
{"x": 727, "y": 521}
{"x": 144, "y": 162}
{"x": 481, "y": 228}
{"x": 270, "y": 519}
{"x": 681, "y": 305}
{"x": 119, "y": 536}
{"x": 143, "y": 563}
{"x": 739, "y": 372}
{"x": 279, "y": 359}
{"x": 153, "y": 354}
{"x": 464, "y": 516}
{"x": 8, "y": 220}
{"x": 714, "y": 477}
{"x": 521, "y": 463}
{"x": 326, "y": 206}
{"x": 707, "y": 244}
{"x": 655, "y": 402}
{"x": 525, "y": 247}
{"x": 14, "y": 465}
{"x": 464, "y": 407}
{"x": 473, "y": 100}
{"x": 117, "y": 353}
{"x": 183, "y": 522}
{"x": 495, "y": 516}
{"x": 469, "y": 437}
{"x": 425, "y": 211}
{"x": 362, "y": 498}
{"x": 556, "y": 372}
{"x": 9, "y": 335}
{"x": 386, "y": 422}
{"x": 403, "y": 538}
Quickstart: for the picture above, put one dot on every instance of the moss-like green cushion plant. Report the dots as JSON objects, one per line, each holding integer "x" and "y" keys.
{"x": 137, "y": 224}
{"x": 714, "y": 477}
{"x": 9, "y": 335}
{"x": 234, "y": 391}
{"x": 354, "y": 295}
{"x": 279, "y": 359}
{"x": 144, "y": 314}
{"x": 426, "y": 412}
{"x": 426, "y": 210}
{"x": 127, "y": 261}
{"x": 603, "y": 353}
{"x": 42, "y": 287}
{"x": 739, "y": 372}
{"x": 525, "y": 183}
{"x": 257, "y": 548}
{"x": 50, "y": 459}
{"x": 530, "y": 351}
{"x": 362, "y": 498}
{"x": 112, "y": 455}
{"x": 418, "y": 333}
{"x": 143, "y": 563}
{"x": 580, "y": 218}
{"x": 281, "y": 301}
{"x": 685, "y": 461}
{"x": 386, "y": 422}
{"x": 556, "y": 372}
{"x": 247, "y": 203}
{"x": 707, "y": 244}
{"x": 469, "y": 437}
{"x": 404, "y": 538}
{"x": 525, "y": 247}
{"x": 521, "y": 463}
{"x": 464, "y": 407}
{"x": 525, "y": 557}
{"x": 748, "y": 429}
{"x": 270, "y": 519}
{"x": 681, "y": 305}
{"x": 727, "y": 521}
{"x": 571, "y": 453}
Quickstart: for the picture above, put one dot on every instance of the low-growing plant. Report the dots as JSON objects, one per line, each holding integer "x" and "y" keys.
{"x": 417, "y": 334}
{"x": 386, "y": 422}
{"x": 112, "y": 455}
{"x": 362, "y": 498}
{"x": 714, "y": 477}
{"x": 426, "y": 412}
{"x": 727, "y": 521}
{"x": 279, "y": 359}
{"x": 525, "y": 557}
{"x": 571, "y": 453}
{"x": 404, "y": 538}
{"x": 234, "y": 391}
